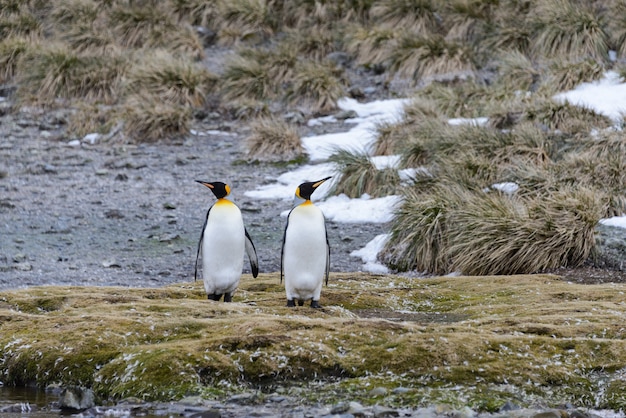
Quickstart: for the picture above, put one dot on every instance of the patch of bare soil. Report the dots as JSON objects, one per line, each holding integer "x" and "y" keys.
{"x": 401, "y": 316}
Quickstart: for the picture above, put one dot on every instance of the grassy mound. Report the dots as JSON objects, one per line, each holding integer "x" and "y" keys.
{"x": 476, "y": 341}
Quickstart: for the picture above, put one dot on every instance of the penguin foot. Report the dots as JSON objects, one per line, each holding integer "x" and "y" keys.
{"x": 214, "y": 297}
{"x": 315, "y": 304}
{"x": 291, "y": 303}
{"x": 300, "y": 302}
{"x": 228, "y": 297}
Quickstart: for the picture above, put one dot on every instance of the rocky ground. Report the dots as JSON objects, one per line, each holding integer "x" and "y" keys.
{"x": 131, "y": 215}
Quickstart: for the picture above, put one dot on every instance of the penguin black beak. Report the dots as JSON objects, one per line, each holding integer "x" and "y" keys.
{"x": 319, "y": 182}
{"x": 205, "y": 183}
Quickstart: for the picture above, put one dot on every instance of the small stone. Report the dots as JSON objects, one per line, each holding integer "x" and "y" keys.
{"x": 92, "y": 138}
{"x": 401, "y": 390}
{"x": 23, "y": 267}
{"x": 168, "y": 237}
{"x": 102, "y": 172}
{"x": 111, "y": 264}
{"x": 76, "y": 398}
{"x": 169, "y": 206}
{"x": 242, "y": 398}
{"x": 340, "y": 408}
{"x": 18, "y": 258}
{"x": 383, "y": 411}
{"x": 114, "y": 214}
{"x": 509, "y": 406}
{"x": 379, "y": 391}
{"x": 549, "y": 414}
{"x": 346, "y": 114}
{"x": 74, "y": 143}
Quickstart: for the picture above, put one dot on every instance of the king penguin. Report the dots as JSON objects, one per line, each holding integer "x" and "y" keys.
{"x": 223, "y": 242}
{"x": 305, "y": 255}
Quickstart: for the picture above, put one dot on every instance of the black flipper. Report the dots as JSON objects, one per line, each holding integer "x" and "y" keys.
{"x": 327, "y": 253}
{"x": 251, "y": 251}
{"x": 206, "y": 219}
{"x": 282, "y": 250}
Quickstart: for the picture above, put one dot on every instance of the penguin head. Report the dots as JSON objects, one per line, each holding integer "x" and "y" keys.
{"x": 305, "y": 190}
{"x": 219, "y": 189}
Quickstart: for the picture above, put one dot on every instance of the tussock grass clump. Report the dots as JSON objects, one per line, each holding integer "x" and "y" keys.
{"x": 177, "y": 81}
{"x": 511, "y": 28}
{"x": 451, "y": 228}
{"x": 247, "y": 78}
{"x": 616, "y": 17}
{"x": 48, "y": 74}
{"x": 316, "y": 86}
{"x": 359, "y": 176}
{"x": 68, "y": 13}
{"x": 315, "y": 43}
{"x": 468, "y": 100}
{"x": 425, "y": 57}
{"x": 153, "y": 27}
{"x": 393, "y": 137}
{"x": 419, "y": 231}
{"x": 569, "y": 29}
{"x": 197, "y": 12}
{"x": 244, "y": 109}
{"x": 11, "y": 50}
{"x": 279, "y": 62}
{"x": 565, "y": 76}
{"x": 415, "y": 16}
{"x": 517, "y": 71}
{"x": 273, "y": 139}
{"x": 468, "y": 20}
{"x": 565, "y": 117}
{"x": 369, "y": 45}
{"x": 494, "y": 234}
{"x": 19, "y": 23}
{"x": 147, "y": 118}
{"x": 248, "y": 20}
{"x": 90, "y": 118}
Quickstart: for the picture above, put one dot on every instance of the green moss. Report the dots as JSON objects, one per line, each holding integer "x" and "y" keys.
{"x": 159, "y": 373}
{"x": 504, "y": 338}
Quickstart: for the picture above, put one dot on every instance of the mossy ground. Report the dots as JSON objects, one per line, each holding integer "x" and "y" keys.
{"x": 477, "y": 341}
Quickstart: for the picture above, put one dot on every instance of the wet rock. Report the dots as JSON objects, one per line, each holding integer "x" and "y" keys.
{"x": 18, "y": 408}
{"x": 383, "y": 411}
{"x": 243, "y": 398}
{"x": 379, "y": 391}
{"x": 551, "y": 414}
{"x": 76, "y": 398}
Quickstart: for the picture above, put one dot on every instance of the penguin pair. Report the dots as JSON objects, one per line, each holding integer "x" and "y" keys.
{"x": 305, "y": 252}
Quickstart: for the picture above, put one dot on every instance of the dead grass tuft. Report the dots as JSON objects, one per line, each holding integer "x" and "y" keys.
{"x": 429, "y": 57}
{"x": 147, "y": 118}
{"x": 177, "y": 81}
{"x": 51, "y": 73}
{"x": 247, "y": 78}
{"x": 569, "y": 29}
{"x": 316, "y": 86}
{"x": 415, "y": 16}
{"x": 273, "y": 139}
{"x": 359, "y": 176}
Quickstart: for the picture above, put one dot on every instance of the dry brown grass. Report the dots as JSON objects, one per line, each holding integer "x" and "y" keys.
{"x": 175, "y": 80}
{"x": 273, "y": 139}
{"x": 358, "y": 175}
{"x": 148, "y": 118}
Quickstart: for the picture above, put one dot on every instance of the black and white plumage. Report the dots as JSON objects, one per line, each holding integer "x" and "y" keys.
{"x": 305, "y": 255}
{"x": 223, "y": 241}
